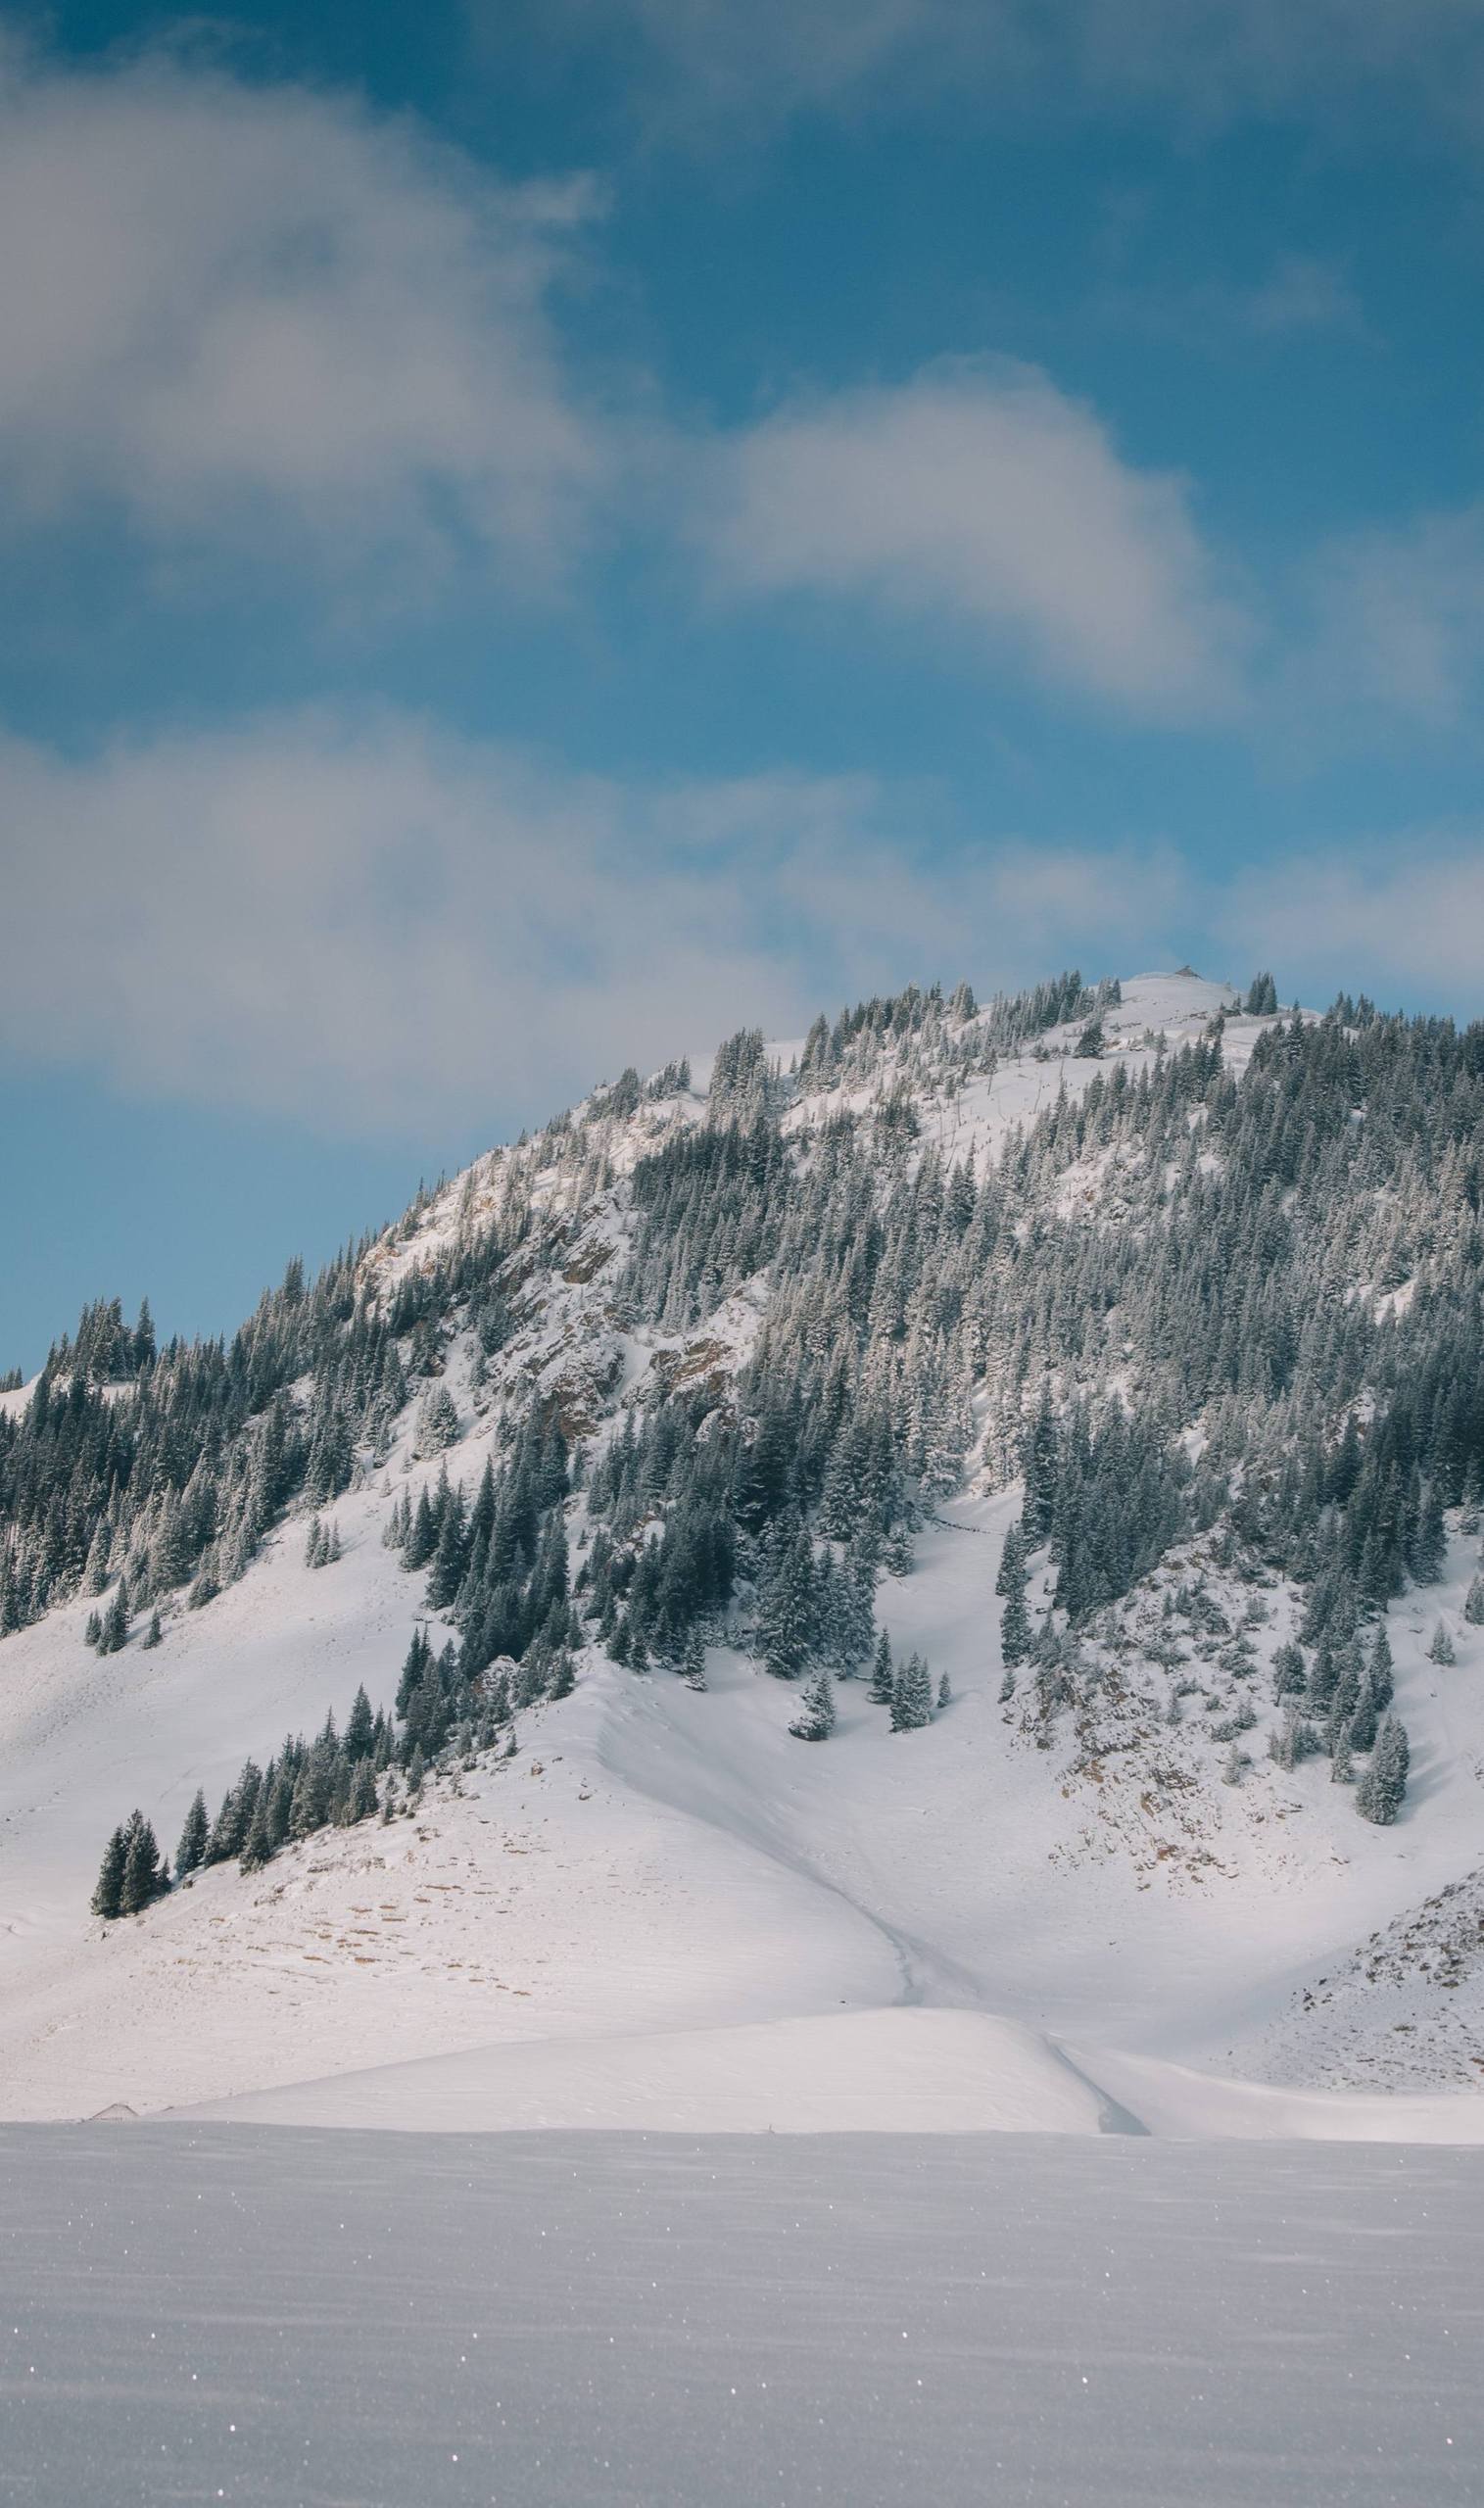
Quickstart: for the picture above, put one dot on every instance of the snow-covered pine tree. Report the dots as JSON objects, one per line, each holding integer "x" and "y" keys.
{"x": 814, "y": 1720}
{"x": 1382, "y": 1789}
{"x": 912, "y": 1696}
{"x": 437, "y": 1420}
{"x": 785, "y": 1614}
{"x": 882, "y": 1673}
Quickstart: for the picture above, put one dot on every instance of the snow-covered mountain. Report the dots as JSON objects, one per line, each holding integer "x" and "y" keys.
{"x": 924, "y": 1575}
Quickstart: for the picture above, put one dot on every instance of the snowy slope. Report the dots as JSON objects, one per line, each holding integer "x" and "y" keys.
{"x": 664, "y": 1910}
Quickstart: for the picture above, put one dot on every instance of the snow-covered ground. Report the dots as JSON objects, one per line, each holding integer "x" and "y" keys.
{"x": 301, "y": 2320}
{"x": 657, "y": 1865}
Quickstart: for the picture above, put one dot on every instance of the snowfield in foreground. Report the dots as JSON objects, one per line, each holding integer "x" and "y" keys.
{"x": 302, "y": 2320}
{"x": 664, "y": 1911}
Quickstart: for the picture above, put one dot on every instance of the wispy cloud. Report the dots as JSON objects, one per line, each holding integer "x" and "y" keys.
{"x": 979, "y": 496}
{"x": 1302, "y": 296}
{"x": 360, "y": 923}
{"x": 1397, "y": 632}
{"x": 374, "y": 930}
{"x": 264, "y": 311}
{"x": 1205, "y": 60}
{"x": 1397, "y": 917}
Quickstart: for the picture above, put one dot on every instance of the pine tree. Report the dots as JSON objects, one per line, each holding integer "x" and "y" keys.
{"x": 107, "y": 1897}
{"x": 418, "y": 1657}
{"x": 310, "y": 1805}
{"x": 1289, "y": 1675}
{"x": 115, "y": 1621}
{"x": 190, "y": 1853}
{"x": 1341, "y": 1762}
{"x": 359, "y": 1728}
{"x": 362, "y": 1805}
{"x": 1442, "y": 1650}
{"x": 945, "y": 1693}
{"x": 1015, "y": 1632}
{"x": 143, "y": 1879}
{"x": 1382, "y": 1685}
{"x": 693, "y": 1662}
{"x": 882, "y": 1673}
{"x": 1011, "y": 1576}
{"x": 437, "y": 1420}
{"x": 154, "y": 1634}
{"x": 258, "y": 1844}
{"x": 912, "y": 1697}
{"x": 1382, "y": 1789}
{"x": 815, "y": 1718}
{"x": 1429, "y": 1550}
{"x": 785, "y": 1614}
{"x": 1474, "y": 1603}
{"x": 1010, "y": 1584}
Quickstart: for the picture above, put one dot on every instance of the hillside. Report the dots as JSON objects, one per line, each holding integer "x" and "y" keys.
{"x": 657, "y": 1423}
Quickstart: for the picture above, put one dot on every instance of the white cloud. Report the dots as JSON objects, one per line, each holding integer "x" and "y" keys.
{"x": 234, "y": 307}
{"x": 979, "y": 494}
{"x": 1399, "y": 626}
{"x": 1219, "y": 59}
{"x": 1208, "y": 60}
{"x": 376, "y": 929}
{"x": 1400, "y": 918}
{"x": 1301, "y": 296}
{"x": 1300, "y": 293}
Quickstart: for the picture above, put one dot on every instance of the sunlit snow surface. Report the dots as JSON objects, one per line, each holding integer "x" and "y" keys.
{"x": 350, "y": 2320}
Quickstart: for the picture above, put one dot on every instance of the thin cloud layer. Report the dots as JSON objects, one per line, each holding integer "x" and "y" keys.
{"x": 979, "y": 494}
{"x": 225, "y": 309}
{"x": 1399, "y": 625}
{"x": 1206, "y": 60}
{"x": 370, "y": 928}
{"x": 377, "y": 931}
{"x": 1403, "y": 917}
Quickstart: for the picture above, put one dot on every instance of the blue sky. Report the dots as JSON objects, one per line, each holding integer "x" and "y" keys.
{"x": 536, "y": 534}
